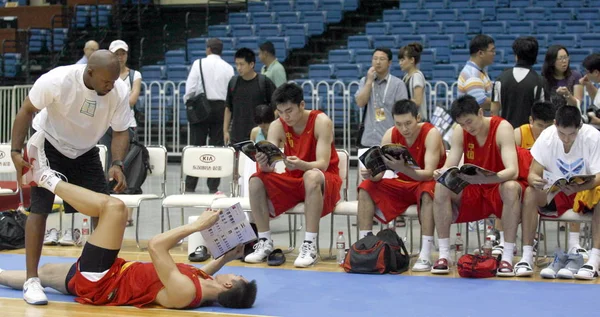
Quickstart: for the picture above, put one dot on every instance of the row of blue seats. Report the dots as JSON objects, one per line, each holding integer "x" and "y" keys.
{"x": 284, "y": 17}
{"x": 40, "y": 39}
{"x": 196, "y": 47}
{"x": 302, "y": 5}
{"x": 175, "y": 72}
{"x": 91, "y": 15}
{"x": 10, "y": 65}
{"x": 22, "y": 3}
{"x": 264, "y": 30}
{"x": 463, "y": 4}
{"x": 487, "y": 27}
{"x": 296, "y": 33}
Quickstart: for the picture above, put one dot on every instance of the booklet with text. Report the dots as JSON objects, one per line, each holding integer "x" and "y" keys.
{"x": 555, "y": 184}
{"x": 250, "y": 148}
{"x": 372, "y": 159}
{"x": 232, "y": 229}
{"x": 451, "y": 176}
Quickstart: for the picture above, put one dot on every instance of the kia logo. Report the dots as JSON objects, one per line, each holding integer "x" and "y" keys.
{"x": 2, "y": 155}
{"x": 207, "y": 158}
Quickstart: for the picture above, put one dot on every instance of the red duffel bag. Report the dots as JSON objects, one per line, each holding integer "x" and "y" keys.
{"x": 477, "y": 266}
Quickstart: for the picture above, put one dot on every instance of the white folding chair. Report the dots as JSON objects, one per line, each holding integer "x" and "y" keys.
{"x": 158, "y": 166}
{"x": 7, "y": 168}
{"x": 205, "y": 162}
{"x": 245, "y": 168}
{"x": 569, "y": 216}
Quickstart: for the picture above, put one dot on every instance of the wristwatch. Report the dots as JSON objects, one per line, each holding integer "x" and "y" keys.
{"x": 119, "y": 163}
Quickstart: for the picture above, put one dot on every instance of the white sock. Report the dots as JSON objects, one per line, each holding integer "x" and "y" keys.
{"x": 594, "y": 258}
{"x": 444, "y": 248}
{"x": 573, "y": 240}
{"x": 265, "y": 235}
{"x": 527, "y": 254}
{"x": 363, "y": 233}
{"x": 310, "y": 236}
{"x": 49, "y": 181}
{"x": 502, "y": 238}
{"x": 509, "y": 249}
{"x": 426, "y": 248}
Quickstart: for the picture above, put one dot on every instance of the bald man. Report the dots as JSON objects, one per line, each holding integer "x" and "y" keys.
{"x": 75, "y": 105}
{"x": 89, "y": 48}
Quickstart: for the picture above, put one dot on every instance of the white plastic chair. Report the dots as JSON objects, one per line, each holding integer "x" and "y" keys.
{"x": 205, "y": 162}
{"x": 7, "y": 168}
{"x": 568, "y": 216}
{"x": 158, "y": 166}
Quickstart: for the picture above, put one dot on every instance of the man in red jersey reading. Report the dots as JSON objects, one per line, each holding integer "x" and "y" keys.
{"x": 99, "y": 277}
{"x": 311, "y": 174}
{"x": 489, "y": 143}
{"x": 412, "y": 186}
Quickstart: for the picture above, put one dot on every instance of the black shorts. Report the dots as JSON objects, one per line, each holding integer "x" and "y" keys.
{"x": 85, "y": 171}
{"x": 93, "y": 259}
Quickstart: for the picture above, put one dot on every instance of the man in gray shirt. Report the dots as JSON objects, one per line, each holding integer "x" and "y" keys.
{"x": 272, "y": 68}
{"x": 378, "y": 91}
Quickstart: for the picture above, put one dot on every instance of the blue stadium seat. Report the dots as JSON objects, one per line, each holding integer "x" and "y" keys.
{"x": 589, "y": 41}
{"x": 591, "y": 14}
{"x": 542, "y": 54}
{"x": 316, "y": 22}
{"x": 489, "y": 8}
{"x": 403, "y": 27}
{"x": 542, "y": 40}
{"x": 410, "y": 4}
{"x": 394, "y": 15}
{"x": 520, "y": 3}
{"x": 240, "y": 18}
{"x": 229, "y": 43}
{"x": 363, "y": 56}
{"x": 153, "y": 72}
{"x": 239, "y": 30}
{"x": 265, "y": 30}
{"x": 508, "y": 14}
{"x": 377, "y": 28}
{"x": 104, "y": 17}
{"x": 506, "y": 55}
{"x": 445, "y": 15}
{"x": 39, "y": 40}
{"x": 542, "y": 27}
{"x": 442, "y": 45}
{"x": 251, "y": 42}
{"x": 348, "y": 71}
{"x": 572, "y": 3}
{"x": 229, "y": 57}
{"x": 334, "y": 9}
{"x": 459, "y": 55}
{"x": 360, "y": 42}
{"x": 576, "y": 26}
{"x": 258, "y": 6}
{"x": 419, "y": 15}
{"x": 198, "y": 43}
{"x": 282, "y": 6}
{"x": 577, "y": 55}
{"x": 427, "y": 60}
{"x": 320, "y": 71}
{"x": 288, "y": 17}
{"x": 341, "y": 56}
{"x": 82, "y": 16}
{"x": 175, "y": 57}
{"x": 505, "y": 40}
{"x": 561, "y": 14}
{"x": 457, "y": 29}
{"x": 434, "y": 4}
{"x": 307, "y": 5}
{"x": 350, "y": 5}
{"x": 447, "y": 72}
{"x": 12, "y": 65}
{"x": 474, "y": 17}
{"x": 60, "y": 37}
{"x": 520, "y": 27}
{"x": 407, "y": 39}
{"x": 396, "y": 70}
{"x": 263, "y": 17}
{"x": 389, "y": 41}
{"x": 297, "y": 34}
{"x": 502, "y": 3}
{"x": 567, "y": 40}
{"x": 177, "y": 73}
{"x": 194, "y": 55}
{"x": 495, "y": 70}
{"x": 546, "y": 3}
{"x": 533, "y": 14}
{"x": 218, "y": 31}
{"x": 429, "y": 27}
{"x": 459, "y": 4}
{"x": 493, "y": 27}
{"x": 281, "y": 44}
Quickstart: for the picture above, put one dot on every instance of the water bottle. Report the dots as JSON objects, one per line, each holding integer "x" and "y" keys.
{"x": 85, "y": 231}
{"x": 487, "y": 247}
{"x": 341, "y": 248}
{"x": 458, "y": 243}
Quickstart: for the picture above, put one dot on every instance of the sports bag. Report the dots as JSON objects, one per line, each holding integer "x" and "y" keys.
{"x": 137, "y": 166}
{"x": 197, "y": 107}
{"x": 384, "y": 253}
{"x": 477, "y": 266}
{"x": 12, "y": 230}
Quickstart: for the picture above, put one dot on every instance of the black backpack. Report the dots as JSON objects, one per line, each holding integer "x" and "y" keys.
{"x": 137, "y": 166}
{"x": 12, "y": 230}
{"x": 384, "y": 253}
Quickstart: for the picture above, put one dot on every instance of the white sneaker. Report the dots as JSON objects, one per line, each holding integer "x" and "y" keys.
{"x": 262, "y": 249}
{"x": 33, "y": 292}
{"x": 67, "y": 238}
{"x": 579, "y": 250}
{"x": 422, "y": 265}
{"x": 308, "y": 255}
{"x": 36, "y": 157}
{"x": 51, "y": 237}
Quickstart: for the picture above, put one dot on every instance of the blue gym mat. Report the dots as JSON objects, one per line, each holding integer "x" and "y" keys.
{"x": 300, "y": 293}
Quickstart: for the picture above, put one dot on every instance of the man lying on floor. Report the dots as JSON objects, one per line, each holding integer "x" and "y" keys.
{"x": 99, "y": 277}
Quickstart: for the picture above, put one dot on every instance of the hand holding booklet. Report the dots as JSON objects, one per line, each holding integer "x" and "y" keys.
{"x": 451, "y": 177}
{"x": 555, "y": 184}
{"x": 250, "y": 148}
{"x": 231, "y": 229}
{"x": 372, "y": 159}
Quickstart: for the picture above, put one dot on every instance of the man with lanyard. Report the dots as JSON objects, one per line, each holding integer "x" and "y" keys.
{"x": 378, "y": 91}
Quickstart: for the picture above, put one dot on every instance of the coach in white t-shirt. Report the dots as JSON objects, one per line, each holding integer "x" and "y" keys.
{"x": 566, "y": 149}
{"x": 76, "y": 105}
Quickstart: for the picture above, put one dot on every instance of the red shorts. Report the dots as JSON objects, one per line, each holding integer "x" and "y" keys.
{"x": 480, "y": 201}
{"x": 558, "y": 206}
{"x": 285, "y": 191}
{"x": 394, "y": 196}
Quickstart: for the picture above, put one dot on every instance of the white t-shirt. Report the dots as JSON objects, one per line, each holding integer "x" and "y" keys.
{"x": 417, "y": 80}
{"x": 73, "y": 116}
{"x": 136, "y": 75}
{"x": 582, "y": 159}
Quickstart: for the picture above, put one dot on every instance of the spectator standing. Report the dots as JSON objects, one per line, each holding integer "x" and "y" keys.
{"x": 410, "y": 56}
{"x": 561, "y": 82}
{"x": 89, "y": 48}
{"x": 473, "y": 79}
{"x": 272, "y": 68}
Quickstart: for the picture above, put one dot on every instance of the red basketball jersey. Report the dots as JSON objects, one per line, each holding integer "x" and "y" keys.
{"x": 304, "y": 146}
{"x": 129, "y": 283}
{"x": 488, "y": 155}
{"x": 417, "y": 149}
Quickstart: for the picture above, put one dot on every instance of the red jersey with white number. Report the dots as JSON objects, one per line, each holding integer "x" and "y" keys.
{"x": 418, "y": 149}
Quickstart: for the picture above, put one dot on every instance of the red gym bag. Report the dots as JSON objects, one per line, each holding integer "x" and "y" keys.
{"x": 477, "y": 266}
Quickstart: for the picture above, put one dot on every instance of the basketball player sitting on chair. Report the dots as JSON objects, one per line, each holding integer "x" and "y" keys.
{"x": 311, "y": 174}
{"x": 99, "y": 277}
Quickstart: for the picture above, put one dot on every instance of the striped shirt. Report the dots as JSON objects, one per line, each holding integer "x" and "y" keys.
{"x": 475, "y": 82}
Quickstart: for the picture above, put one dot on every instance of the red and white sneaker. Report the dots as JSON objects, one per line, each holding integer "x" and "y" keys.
{"x": 36, "y": 157}
{"x": 441, "y": 266}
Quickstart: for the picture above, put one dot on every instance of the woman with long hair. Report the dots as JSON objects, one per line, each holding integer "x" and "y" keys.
{"x": 562, "y": 83}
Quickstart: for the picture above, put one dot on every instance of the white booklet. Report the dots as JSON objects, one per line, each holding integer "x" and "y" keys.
{"x": 232, "y": 229}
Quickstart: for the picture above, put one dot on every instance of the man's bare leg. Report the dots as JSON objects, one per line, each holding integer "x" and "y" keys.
{"x": 510, "y": 192}
{"x": 52, "y": 275}
{"x": 443, "y": 201}
{"x": 260, "y": 212}
{"x": 366, "y": 212}
{"x": 533, "y": 199}
{"x": 35, "y": 227}
{"x": 423, "y": 263}
{"x": 314, "y": 181}
{"x": 589, "y": 270}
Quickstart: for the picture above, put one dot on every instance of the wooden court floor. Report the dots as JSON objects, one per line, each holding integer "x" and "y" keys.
{"x": 17, "y": 307}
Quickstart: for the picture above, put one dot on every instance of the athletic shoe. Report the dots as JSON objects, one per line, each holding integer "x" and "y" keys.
{"x": 33, "y": 292}
{"x": 67, "y": 238}
{"x": 36, "y": 157}
{"x": 441, "y": 266}
{"x": 574, "y": 263}
{"x": 498, "y": 250}
{"x": 422, "y": 265}
{"x": 587, "y": 272}
{"x": 560, "y": 260}
{"x": 523, "y": 269}
{"x": 308, "y": 255}
{"x": 580, "y": 250}
{"x": 51, "y": 237}
{"x": 262, "y": 249}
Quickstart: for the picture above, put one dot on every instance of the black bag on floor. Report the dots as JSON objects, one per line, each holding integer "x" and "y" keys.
{"x": 12, "y": 230}
{"x": 137, "y": 166}
{"x": 384, "y": 253}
